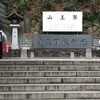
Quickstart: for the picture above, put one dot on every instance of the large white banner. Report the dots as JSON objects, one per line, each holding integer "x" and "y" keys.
{"x": 62, "y": 21}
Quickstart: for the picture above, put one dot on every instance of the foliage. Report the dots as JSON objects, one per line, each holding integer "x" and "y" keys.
{"x": 46, "y": 5}
{"x": 71, "y": 6}
{"x": 20, "y": 5}
{"x": 23, "y": 6}
{"x": 57, "y": 1}
{"x": 92, "y": 17}
{"x": 93, "y": 2}
{"x": 38, "y": 18}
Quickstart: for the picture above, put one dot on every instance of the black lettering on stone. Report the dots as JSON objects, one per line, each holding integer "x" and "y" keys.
{"x": 84, "y": 42}
{"x": 48, "y": 41}
{"x": 74, "y": 41}
{"x": 65, "y": 41}
{"x": 40, "y": 41}
{"x": 56, "y": 41}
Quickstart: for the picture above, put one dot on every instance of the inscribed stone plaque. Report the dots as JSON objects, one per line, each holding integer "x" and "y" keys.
{"x": 62, "y": 41}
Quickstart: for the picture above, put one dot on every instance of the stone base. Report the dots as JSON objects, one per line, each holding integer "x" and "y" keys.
{"x": 88, "y": 54}
{"x": 72, "y": 55}
{"x": 14, "y": 47}
{"x": 32, "y": 55}
{"x": 24, "y": 54}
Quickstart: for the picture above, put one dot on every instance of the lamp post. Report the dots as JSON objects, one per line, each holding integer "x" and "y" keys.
{"x": 15, "y": 19}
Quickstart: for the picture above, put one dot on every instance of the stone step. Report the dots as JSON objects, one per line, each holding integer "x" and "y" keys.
{"x": 63, "y": 80}
{"x": 51, "y": 95}
{"x": 49, "y": 73}
{"x": 49, "y": 99}
{"x": 49, "y": 67}
{"x": 50, "y": 61}
{"x": 48, "y": 87}
{"x": 42, "y": 80}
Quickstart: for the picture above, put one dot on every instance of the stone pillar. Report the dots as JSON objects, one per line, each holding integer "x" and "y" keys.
{"x": 23, "y": 53}
{"x": 72, "y": 55}
{"x": 88, "y": 54}
{"x": 32, "y": 55}
{"x": 15, "y": 36}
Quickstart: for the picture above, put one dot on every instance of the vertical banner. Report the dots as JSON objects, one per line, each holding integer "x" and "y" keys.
{"x": 62, "y": 21}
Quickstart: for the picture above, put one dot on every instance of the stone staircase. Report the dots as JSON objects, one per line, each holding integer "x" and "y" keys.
{"x": 49, "y": 80}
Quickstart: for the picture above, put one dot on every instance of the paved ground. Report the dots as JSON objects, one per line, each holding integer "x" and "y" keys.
{"x": 50, "y": 59}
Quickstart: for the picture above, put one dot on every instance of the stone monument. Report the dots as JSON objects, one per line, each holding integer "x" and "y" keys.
{"x": 15, "y": 19}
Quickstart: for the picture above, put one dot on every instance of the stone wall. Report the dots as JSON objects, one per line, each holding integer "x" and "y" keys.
{"x": 3, "y": 23}
{"x": 92, "y": 28}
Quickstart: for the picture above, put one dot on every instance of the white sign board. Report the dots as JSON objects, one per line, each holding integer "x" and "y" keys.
{"x": 62, "y": 21}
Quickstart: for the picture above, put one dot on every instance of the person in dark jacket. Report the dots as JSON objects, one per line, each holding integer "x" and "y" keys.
{"x": 3, "y": 38}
